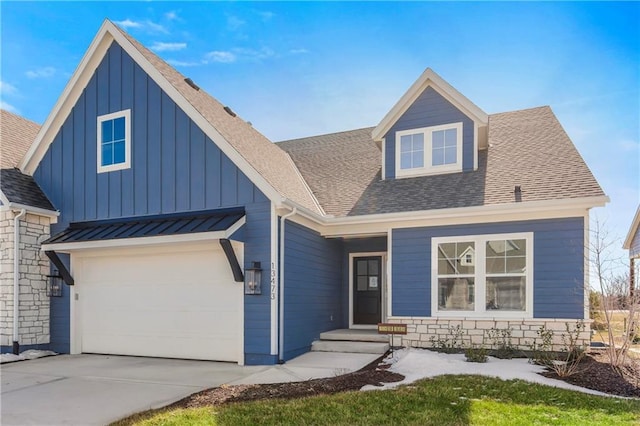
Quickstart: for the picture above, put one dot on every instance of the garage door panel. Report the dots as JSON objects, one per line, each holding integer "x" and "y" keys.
{"x": 181, "y": 304}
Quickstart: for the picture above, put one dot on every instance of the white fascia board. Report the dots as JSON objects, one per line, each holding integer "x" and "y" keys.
{"x": 233, "y": 228}
{"x": 72, "y": 91}
{"x": 373, "y": 224}
{"x": 8, "y": 205}
{"x": 632, "y": 231}
{"x": 429, "y": 79}
{"x": 135, "y": 242}
{"x": 306, "y": 186}
{"x": 4, "y": 200}
{"x": 106, "y": 35}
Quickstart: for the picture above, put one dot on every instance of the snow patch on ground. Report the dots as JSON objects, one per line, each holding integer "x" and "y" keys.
{"x": 415, "y": 364}
{"x": 30, "y": 354}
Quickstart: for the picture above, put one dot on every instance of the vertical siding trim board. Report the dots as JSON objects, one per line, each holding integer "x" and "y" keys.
{"x": 273, "y": 280}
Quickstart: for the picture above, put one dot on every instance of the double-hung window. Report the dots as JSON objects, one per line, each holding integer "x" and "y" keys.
{"x": 114, "y": 141}
{"x": 429, "y": 150}
{"x": 484, "y": 275}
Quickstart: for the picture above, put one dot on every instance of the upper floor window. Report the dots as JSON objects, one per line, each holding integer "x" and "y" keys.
{"x": 114, "y": 141}
{"x": 429, "y": 150}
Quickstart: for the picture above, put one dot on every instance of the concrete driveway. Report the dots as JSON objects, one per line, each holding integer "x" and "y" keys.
{"x": 99, "y": 389}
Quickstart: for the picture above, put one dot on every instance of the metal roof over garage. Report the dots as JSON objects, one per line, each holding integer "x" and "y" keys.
{"x": 149, "y": 226}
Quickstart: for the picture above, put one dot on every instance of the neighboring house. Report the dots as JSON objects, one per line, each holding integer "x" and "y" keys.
{"x": 22, "y": 203}
{"x": 441, "y": 215}
{"x": 632, "y": 243}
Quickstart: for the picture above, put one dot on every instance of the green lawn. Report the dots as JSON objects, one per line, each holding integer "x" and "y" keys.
{"x": 445, "y": 400}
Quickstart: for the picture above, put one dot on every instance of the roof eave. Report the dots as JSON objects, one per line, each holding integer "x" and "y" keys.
{"x": 632, "y": 231}
{"x": 67, "y": 99}
{"x": 583, "y": 203}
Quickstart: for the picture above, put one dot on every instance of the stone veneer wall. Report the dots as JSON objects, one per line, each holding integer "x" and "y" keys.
{"x": 420, "y": 331}
{"x": 34, "y": 267}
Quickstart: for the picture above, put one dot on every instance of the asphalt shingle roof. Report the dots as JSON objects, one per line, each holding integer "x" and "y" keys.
{"x": 22, "y": 189}
{"x": 16, "y": 136}
{"x": 528, "y": 148}
{"x": 267, "y": 159}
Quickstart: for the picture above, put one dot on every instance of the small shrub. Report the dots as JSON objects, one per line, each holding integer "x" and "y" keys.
{"x": 566, "y": 362}
{"x": 501, "y": 342}
{"x": 541, "y": 346}
{"x": 476, "y": 354}
{"x": 450, "y": 344}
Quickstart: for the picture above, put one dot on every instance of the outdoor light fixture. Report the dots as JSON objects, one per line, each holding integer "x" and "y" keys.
{"x": 252, "y": 278}
{"x": 54, "y": 284}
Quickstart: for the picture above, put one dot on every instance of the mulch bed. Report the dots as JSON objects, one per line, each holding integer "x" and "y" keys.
{"x": 372, "y": 374}
{"x": 596, "y": 373}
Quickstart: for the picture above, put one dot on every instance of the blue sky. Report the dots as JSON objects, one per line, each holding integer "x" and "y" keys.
{"x": 299, "y": 69}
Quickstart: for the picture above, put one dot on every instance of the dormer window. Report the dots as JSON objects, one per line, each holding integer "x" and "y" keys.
{"x": 429, "y": 150}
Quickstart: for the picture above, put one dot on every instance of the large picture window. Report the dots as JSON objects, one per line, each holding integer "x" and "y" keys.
{"x": 486, "y": 275}
{"x": 114, "y": 141}
{"x": 429, "y": 150}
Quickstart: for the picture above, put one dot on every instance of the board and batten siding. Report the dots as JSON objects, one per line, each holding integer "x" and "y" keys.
{"x": 175, "y": 167}
{"x": 313, "y": 281}
{"x": 430, "y": 109}
{"x": 558, "y": 265}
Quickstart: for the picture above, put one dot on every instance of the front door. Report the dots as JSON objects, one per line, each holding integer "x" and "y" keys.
{"x": 367, "y": 290}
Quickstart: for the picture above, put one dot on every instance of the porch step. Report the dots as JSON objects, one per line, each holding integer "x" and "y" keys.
{"x": 349, "y": 346}
{"x": 355, "y": 336}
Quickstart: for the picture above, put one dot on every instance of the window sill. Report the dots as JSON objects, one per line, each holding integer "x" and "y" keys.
{"x": 400, "y": 174}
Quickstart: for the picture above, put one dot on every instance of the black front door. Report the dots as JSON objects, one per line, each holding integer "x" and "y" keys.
{"x": 367, "y": 289}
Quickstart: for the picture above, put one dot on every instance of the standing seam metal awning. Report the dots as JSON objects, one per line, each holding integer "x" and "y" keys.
{"x": 198, "y": 222}
{"x": 149, "y": 226}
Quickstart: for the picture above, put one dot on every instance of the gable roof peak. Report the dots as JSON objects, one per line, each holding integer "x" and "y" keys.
{"x": 429, "y": 78}
{"x": 266, "y": 165}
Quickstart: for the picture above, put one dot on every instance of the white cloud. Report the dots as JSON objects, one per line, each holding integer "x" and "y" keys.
{"x": 7, "y": 89}
{"x": 224, "y": 57}
{"x": 263, "y": 53}
{"x": 233, "y": 22}
{"x": 146, "y": 25}
{"x": 171, "y": 15}
{"x": 239, "y": 53}
{"x": 628, "y": 145}
{"x": 177, "y": 63}
{"x": 265, "y": 15}
{"x": 156, "y": 27}
{"x": 159, "y": 46}
{"x": 8, "y": 107}
{"x": 45, "y": 72}
{"x": 128, "y": 23}
{"x": 298, "y": 51}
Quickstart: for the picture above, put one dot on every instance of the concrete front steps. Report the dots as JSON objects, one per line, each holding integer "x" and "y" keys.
{"x": 352, "y": 341}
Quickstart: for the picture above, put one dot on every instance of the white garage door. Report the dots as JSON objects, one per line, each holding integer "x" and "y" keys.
{"x": 176, "y": 302}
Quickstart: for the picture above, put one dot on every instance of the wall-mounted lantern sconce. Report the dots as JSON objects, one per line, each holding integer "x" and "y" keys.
{"x": 252, "y": 279}
{"x": 54, "y": 284}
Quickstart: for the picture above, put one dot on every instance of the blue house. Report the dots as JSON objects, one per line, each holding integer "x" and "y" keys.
{"x": 170, "y": 205}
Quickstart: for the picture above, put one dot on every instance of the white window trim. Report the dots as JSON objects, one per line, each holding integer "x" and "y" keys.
{"x": 480, "y": 276}
{"x": 428, "y": 169}
{"x": 127, "y": 141}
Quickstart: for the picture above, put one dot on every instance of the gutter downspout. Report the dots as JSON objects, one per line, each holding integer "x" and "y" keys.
{"x": 16, "y": 280}
{"x": 281, "y": 301}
